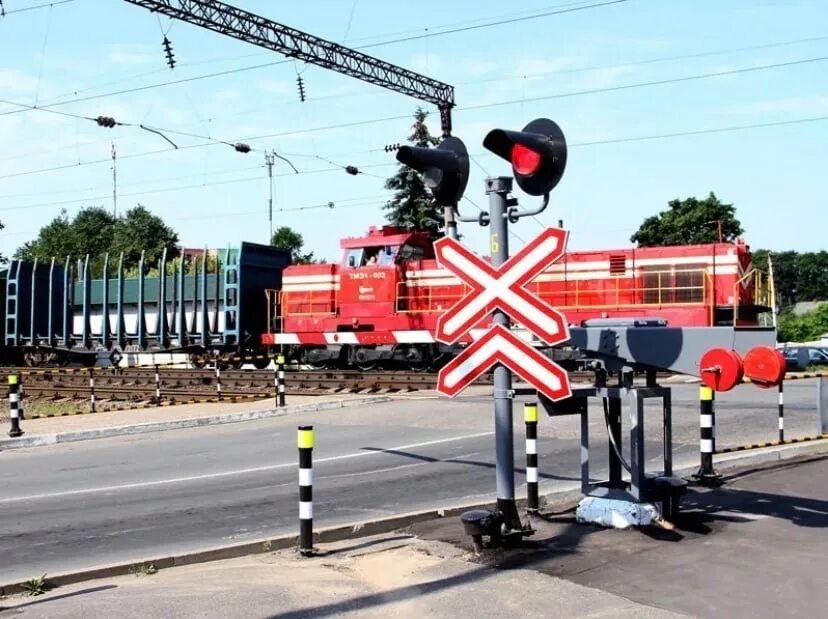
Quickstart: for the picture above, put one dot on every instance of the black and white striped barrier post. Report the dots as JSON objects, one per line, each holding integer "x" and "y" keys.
{"x": 530, "y": 416}
{"x": 92, "y": 390}
{"x": 707, "y": 476}
{"x": 20, "y": 393}
{"x": 218, "y": 379}
{"x": 280, "y": 379}
{"x": 781, "y": 412}
{"x": 14, "y": 406}
{"x": 305, "y": 442}
{"x": 157, "y": 385}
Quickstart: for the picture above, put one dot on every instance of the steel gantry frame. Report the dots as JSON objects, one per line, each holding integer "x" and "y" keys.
{"x": 263, "y": 32}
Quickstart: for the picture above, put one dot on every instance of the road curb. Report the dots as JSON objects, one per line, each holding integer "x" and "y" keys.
{"x": 43, "y": 440}
{"x": 563, "y": 496}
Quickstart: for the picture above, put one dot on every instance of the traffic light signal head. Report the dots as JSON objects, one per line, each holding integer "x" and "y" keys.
{"x": 445, "y": 169}
{"x": 537, "y": 154}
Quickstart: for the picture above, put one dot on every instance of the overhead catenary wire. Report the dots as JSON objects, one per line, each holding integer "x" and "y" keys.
{"x": 288, "y": 60}
{"x": 45, "y": 5}
{"x": 465, "y": 108}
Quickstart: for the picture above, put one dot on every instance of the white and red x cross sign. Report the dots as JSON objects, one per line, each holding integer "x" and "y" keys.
{"x": 503, "y": 288}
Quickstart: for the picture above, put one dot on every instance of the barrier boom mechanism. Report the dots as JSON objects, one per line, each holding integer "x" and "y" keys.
{"x": 260, "y": 31}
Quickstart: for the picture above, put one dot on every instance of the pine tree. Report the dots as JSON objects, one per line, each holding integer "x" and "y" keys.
{"x": 412, "y": 207}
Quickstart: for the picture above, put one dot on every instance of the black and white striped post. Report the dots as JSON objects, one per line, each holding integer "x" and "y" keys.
{"x": 280, "y": 380}
{"x": 92, "y": 390}
{"x": 14, "y": 406}
{"x": 157, "y": 385}
{"x": 707, "y": 476}
{"x": 530, "y": 416}
{"x": 305, "y": 443}
{"x": 781, "y": 412}
{"x": 218, "y": 379}
{"x": 22, "y": 397}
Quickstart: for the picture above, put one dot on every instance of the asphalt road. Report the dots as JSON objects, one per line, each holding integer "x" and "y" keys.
{"x": 82, "y": 504}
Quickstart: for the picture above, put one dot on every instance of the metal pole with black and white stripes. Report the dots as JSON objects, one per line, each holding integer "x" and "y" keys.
{"x": 157, "y": 385}
{"x": 218, "y": 379}
{"x": 305, "y": 443}
{"x": 530, "y": 416}
{"x": 781, "y": 412}
{"x": 14, "y": 404}
{"x": 707, "y": 476}
{"x": 92, "y": 390}
{"x": 280, "y": 379}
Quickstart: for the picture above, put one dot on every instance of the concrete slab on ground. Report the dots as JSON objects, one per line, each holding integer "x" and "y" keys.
{"x": 753, "y": 548}
{"x": 388, "y": 576}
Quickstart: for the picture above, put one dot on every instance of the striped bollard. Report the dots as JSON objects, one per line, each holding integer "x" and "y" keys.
{"x": 707, "y": 476}
{"x": 218, "y": 379}
{"x": 280, "y": 379}
{"x": 91, "y": 390}
{"x": 305, "y": 442}
{"x": 14, "y": 406}
{"x": 157, "y": 385}
{"x": 530, "y": 416}
{"x": 781, "y": 413}
{"x": 20, "y": 404}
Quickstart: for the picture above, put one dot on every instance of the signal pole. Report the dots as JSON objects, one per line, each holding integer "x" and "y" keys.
{"x": 498, "y": 189}
{"x": 269, "y": 159}
{"x": 114, "y": 184}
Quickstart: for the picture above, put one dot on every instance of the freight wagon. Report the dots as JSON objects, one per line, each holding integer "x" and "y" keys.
{"x": 209, "y": 307}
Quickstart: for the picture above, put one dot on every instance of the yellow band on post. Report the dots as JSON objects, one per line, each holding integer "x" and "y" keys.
{"x": 530, "y": 413}
{"x": 13, "y": 379}
{"x": 705, "y": 393}
{"x": 280, "y": 359}
{"x": 305, "y": 438}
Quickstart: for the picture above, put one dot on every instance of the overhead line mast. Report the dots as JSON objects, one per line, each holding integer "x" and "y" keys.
{"x": 260, "y": 31}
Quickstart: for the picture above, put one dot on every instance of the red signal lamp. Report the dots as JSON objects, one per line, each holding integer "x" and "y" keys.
{"x": 537, "y": 154}
{"x": 525, "y": 161}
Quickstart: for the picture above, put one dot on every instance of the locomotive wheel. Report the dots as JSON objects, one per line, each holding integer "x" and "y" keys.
{"x": 261, "y": 363}
{"x": 366, "y": 366}
{"x": 198, "y": 361}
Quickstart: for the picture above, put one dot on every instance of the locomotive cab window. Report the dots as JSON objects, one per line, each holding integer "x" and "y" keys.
{"x": 411, "y": 252}
{"x": 354, "y": 257}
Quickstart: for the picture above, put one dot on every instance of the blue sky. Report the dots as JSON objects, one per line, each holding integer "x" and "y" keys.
{"x": 214, "y": 196}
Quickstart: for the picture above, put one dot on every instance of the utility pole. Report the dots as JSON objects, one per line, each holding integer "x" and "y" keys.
{"x": 269, "y": 159}
{"x": 114, "y": 184}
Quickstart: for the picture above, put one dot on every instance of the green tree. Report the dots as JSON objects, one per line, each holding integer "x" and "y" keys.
{"x": 805, "y": 328}
{"x": 288, "y": 239}
{"x": 797, "y": 276}
{"x": 94, "y": 232}
{"x": 139, "y": 230}
{"x": 689, "y": 221}
{"x": 90, "y": 232}
{"x": 412, "y": 206}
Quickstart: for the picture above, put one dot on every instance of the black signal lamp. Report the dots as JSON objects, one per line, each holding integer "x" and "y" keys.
{"x": 445, "y": 169}
{"x": 537, "y": 154}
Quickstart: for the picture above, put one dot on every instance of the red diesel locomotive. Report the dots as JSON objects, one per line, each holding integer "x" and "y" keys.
{"x": 380, "y": 304}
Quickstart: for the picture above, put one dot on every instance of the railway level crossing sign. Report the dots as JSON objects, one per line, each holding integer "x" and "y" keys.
{"x": 503, "y": 288}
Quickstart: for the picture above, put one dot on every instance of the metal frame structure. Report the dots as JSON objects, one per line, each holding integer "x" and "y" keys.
{"x": 262, "y": 32}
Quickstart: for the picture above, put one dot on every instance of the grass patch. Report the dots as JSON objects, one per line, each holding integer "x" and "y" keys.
{"x": 35, "y": 586}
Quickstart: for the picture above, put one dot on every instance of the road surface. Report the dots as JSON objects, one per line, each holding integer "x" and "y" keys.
{"x": 77, "y": 505}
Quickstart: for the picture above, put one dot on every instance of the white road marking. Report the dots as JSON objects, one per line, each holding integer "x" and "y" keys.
{"x": 247, "y": 471}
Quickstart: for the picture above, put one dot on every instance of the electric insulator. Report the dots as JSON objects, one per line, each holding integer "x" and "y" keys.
{"x": 352, "y": 170}
{"x": 242, "y": 148}
{"x": 301, "y": 84}
{"x": 105, "y": 121}
{"x": 168, "y": 52}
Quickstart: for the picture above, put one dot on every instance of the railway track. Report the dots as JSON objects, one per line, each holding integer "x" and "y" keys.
{"x": 184, "y": 384}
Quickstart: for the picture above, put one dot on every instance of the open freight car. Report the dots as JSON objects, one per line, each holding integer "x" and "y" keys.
{"x": 209, "y": 306}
